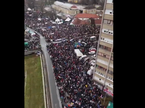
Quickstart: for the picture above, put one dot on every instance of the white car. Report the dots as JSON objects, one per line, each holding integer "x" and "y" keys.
{"x": 92, "y": 52}
{"x": 82, "y": 57}
{"x": 92, "y": 61}
{"x": 84, "y": 43}
{"x": 92, "y": 49}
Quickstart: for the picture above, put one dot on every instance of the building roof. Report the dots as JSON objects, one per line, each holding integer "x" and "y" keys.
{"x": 86, "y": 15}
{"x": 85, "y": 22}
{"x": 98, "y": 21}
{"x": 80, "y": 22}
{"x": 77, "y": 21}
{"x": 65, "y": 5}
{"x": 90, "y": 7}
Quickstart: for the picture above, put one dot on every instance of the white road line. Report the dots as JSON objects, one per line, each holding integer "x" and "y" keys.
{"x": 43, "y": 81}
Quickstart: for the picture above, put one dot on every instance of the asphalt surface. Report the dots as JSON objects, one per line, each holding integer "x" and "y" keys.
{"x": 46, "y": 84}
{"x": 54, "y": 93}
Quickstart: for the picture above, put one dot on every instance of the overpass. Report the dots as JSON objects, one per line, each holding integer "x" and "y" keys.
{"x": 54, "y": 93}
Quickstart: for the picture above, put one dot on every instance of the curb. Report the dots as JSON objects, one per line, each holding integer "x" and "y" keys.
{"x": 43, "y": 82}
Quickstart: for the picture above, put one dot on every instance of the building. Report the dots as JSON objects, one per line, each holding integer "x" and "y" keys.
{"x": 75, "y": 1}
{"x": 65, "y": 8}
{"x": 81, "y": 19}
{"x": 103, "y": 73}
{"x": 73, "y": 9}
{"x": 90, "y": 9}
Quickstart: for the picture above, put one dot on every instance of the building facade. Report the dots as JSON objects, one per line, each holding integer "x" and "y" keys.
{"x": 73, "y": 9}
{"x": 65, "y": 8}
{"x": 75, "y": 1}
{"x": 82, "y": 19}
{"x": 103, "y": 74}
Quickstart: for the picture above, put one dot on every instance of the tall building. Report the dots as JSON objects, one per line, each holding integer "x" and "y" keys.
{"x": 103, "y": 73}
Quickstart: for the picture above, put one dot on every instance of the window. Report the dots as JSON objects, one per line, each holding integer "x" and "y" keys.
{"x": 111, "y": 23}
{"x": 110, "y": 32}
{"x": 104, "y": 55}
{"x": 107, "y": 56}
{"x": 109, "y": 12}
{"x": 105, "y": 21}
{"x": 109, "y": 1}
{"x": 108, "y": 21}
{"x": 104, "y": 47}
{"x": 111, "y": 58}
{"x": 110, "y": 72}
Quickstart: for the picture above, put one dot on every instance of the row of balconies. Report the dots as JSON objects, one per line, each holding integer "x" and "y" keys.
{"x": 103, "y": 59}
{"x": 100, "y": 78}
{"x": 109, "y": 6}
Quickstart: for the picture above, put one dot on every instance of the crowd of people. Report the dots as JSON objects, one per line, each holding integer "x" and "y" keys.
{"x": 32, "y": 40}
{"x": 76, "y": 87}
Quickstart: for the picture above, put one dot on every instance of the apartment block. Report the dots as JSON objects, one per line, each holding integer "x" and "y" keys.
{"x": 104, "y": 65}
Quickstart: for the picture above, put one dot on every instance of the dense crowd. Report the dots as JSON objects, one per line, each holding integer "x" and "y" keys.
{"x": 76, "y": 87}
{"x": 33, "y": 41}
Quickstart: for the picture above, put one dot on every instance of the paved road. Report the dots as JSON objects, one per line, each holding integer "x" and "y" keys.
{"x": 47, "y": 97}
{"x": 54, "y": 94}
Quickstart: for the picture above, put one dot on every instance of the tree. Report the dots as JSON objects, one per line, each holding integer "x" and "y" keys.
{"x": 90, "y": 2}
{"x": 101, "y": 2}
{"x": 31, "y": 3}
{"x": 42, "y": 5}
{"x": 107, "y": 100}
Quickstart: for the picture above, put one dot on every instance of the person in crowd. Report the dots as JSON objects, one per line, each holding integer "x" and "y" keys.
{"x": 76, "y": 87}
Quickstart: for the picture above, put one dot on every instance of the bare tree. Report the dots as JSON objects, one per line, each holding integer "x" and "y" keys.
{"x": 31, "y": 3}
{"x": 101, "y": 2}
{"x": 90, "y": 2}
{"x": 42, "y": 5}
